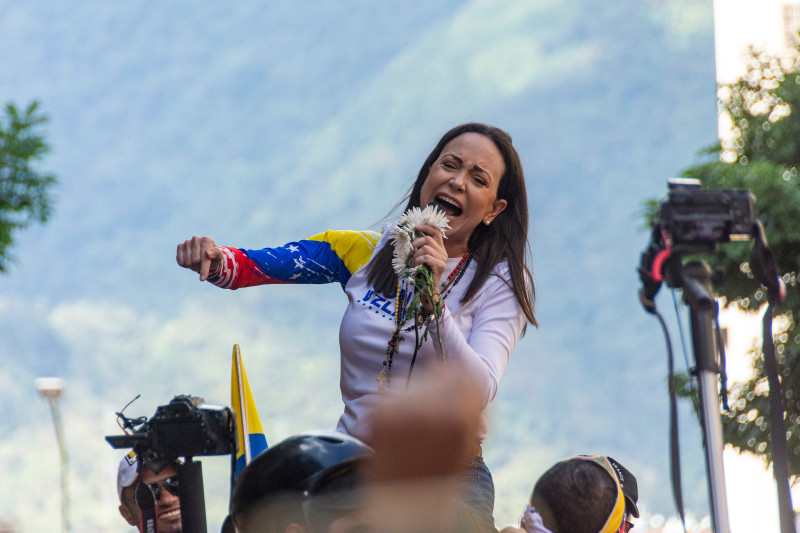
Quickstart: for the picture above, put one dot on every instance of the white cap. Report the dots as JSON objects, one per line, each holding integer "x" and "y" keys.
{"x": 126, "y": 474}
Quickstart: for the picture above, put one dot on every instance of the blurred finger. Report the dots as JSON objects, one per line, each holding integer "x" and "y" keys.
{"x": 211, "y": 257}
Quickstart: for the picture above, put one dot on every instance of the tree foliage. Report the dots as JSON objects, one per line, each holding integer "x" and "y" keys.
{"x": 24, "y": 192}
{"x": 762, "y": 155}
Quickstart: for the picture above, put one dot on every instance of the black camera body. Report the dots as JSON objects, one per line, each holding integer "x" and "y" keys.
{"x": 692, "y": 221}
{"x": 696, "y": 220}
{"x": 185, "y": 427}
{"x": 188, "y": 427}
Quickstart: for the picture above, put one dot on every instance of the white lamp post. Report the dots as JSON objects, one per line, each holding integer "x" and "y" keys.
{"x": 50, "y": 389}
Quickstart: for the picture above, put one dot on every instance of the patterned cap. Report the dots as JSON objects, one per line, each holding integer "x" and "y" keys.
{"x": 127, "y": 473}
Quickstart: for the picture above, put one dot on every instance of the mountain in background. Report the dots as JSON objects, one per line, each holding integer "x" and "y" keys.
{"x": 263, "y": 122}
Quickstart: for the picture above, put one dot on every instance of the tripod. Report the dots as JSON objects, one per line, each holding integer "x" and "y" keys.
{"x": 695, "y": 279}
{"x": 696, "y": 221}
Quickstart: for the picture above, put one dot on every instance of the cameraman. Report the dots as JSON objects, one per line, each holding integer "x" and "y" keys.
{"x": 164, "y": 487}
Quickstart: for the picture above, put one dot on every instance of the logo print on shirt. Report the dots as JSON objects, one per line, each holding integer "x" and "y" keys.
{"x": 380, "y": 304}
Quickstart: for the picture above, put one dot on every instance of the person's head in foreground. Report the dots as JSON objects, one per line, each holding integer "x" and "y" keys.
{"x": 269, "y": 494}
{"x": 335, "y": 502}
{"x": 582, "y": 494}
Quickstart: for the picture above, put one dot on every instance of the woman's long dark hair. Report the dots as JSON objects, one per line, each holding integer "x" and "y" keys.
{"x": 505, "y": 239}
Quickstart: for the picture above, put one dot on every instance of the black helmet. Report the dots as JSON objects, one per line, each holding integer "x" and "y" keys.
{"x": 292, "y": 466}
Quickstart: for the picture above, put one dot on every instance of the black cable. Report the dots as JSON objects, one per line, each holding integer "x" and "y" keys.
{"x": 765, "y": 270}
{"x": 675, "y": 459}
{"x": 780, "y": 463}
{"x": 723, "y": 366}
{"x": 681, "y": 333}
{"x": 689, "y": 369}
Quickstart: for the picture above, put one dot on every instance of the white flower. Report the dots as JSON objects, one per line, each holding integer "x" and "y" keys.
{"x": 402, "y": 240}
{"x": 401, "y": 266}
{"x": 431, "y": 215}
{"x": 403, "y": 233}
{"x": 403, "y": 250}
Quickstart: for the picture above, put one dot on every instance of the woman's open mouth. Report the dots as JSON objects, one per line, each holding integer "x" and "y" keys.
{"x": 450, "y": 208}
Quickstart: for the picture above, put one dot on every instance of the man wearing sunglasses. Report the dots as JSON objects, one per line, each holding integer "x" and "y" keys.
{"x": 164, "y": 487}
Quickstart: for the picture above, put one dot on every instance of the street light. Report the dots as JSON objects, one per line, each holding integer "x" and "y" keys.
{"x": 50, "y": 389}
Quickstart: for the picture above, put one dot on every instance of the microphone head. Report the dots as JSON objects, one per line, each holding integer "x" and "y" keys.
{"x": 435, "y": 204}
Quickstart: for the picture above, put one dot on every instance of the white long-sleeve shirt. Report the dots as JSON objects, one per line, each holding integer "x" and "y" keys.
{"x": 478, "y": 336}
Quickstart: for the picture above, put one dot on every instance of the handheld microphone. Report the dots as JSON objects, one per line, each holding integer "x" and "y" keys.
{"x": 148, "y": 509}
{"x": 437, "y": 205}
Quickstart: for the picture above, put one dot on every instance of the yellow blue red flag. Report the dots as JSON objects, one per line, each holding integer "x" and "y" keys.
{"x": 250, "y": 439}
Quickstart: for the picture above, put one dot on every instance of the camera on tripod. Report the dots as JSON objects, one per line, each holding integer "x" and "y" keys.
{"x": 185, "y": 427}
{"x": 692, "y": 221}
{"x": 696, "y": 220}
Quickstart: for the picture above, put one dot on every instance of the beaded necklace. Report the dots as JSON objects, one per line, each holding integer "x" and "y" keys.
{"x": 400, "y": 315}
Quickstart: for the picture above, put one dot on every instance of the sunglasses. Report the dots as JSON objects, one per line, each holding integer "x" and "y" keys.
{"x": 170, "y": 483}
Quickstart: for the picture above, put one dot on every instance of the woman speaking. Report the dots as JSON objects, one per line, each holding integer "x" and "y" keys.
{"x": 445, "y": 288}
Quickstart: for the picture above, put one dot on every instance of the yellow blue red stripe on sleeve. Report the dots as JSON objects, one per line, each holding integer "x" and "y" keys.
{"x": 332, "y": 256}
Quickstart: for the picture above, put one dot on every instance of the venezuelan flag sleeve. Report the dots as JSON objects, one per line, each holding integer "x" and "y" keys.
{"x": 332, "y": 256}
{"x": 250, "y": 439}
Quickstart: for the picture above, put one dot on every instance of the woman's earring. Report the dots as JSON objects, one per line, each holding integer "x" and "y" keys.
{"x": 487, "y": 222}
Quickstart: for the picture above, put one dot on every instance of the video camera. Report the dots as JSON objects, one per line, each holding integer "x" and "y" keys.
{"x": 692, "y": 221}
{"x": 696, "y": 220}
{"x": 185, "y": 427}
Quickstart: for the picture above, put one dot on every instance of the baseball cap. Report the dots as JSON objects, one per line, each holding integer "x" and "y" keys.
{"x": 127, "y": 473}
{"x": 629, "y": 488}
